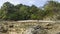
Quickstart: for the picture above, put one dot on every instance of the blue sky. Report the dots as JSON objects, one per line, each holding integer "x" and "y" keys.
{"x": 26, "y": 2}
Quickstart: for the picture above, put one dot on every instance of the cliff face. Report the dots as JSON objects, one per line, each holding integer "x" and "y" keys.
{"x": 13, "y": 27}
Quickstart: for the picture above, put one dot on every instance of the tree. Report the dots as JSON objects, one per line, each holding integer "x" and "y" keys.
{"x": 52, "y": 9}
{"x": 23, "y": 12}
{"x": 33, "y": 10}
{"x": 7, "y": 10}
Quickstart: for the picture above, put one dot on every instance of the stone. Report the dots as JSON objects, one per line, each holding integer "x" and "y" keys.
{"x": 35, "y": 30}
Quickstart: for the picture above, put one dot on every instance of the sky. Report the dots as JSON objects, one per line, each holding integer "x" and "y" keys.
{"x": 37, "y": 3}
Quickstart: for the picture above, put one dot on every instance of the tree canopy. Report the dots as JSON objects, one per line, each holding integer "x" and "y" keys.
{"x": 23, "y": 12}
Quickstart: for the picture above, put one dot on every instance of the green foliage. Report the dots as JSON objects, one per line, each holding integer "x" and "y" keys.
{"x": 52, "y": 7}
{"x": 22, "y": 12}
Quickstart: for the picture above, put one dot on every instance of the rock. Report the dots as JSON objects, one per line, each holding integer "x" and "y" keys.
{"x": 58, "y": 33}
{"x": 35, "y": 30}
{"x": 11, "y": 26}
